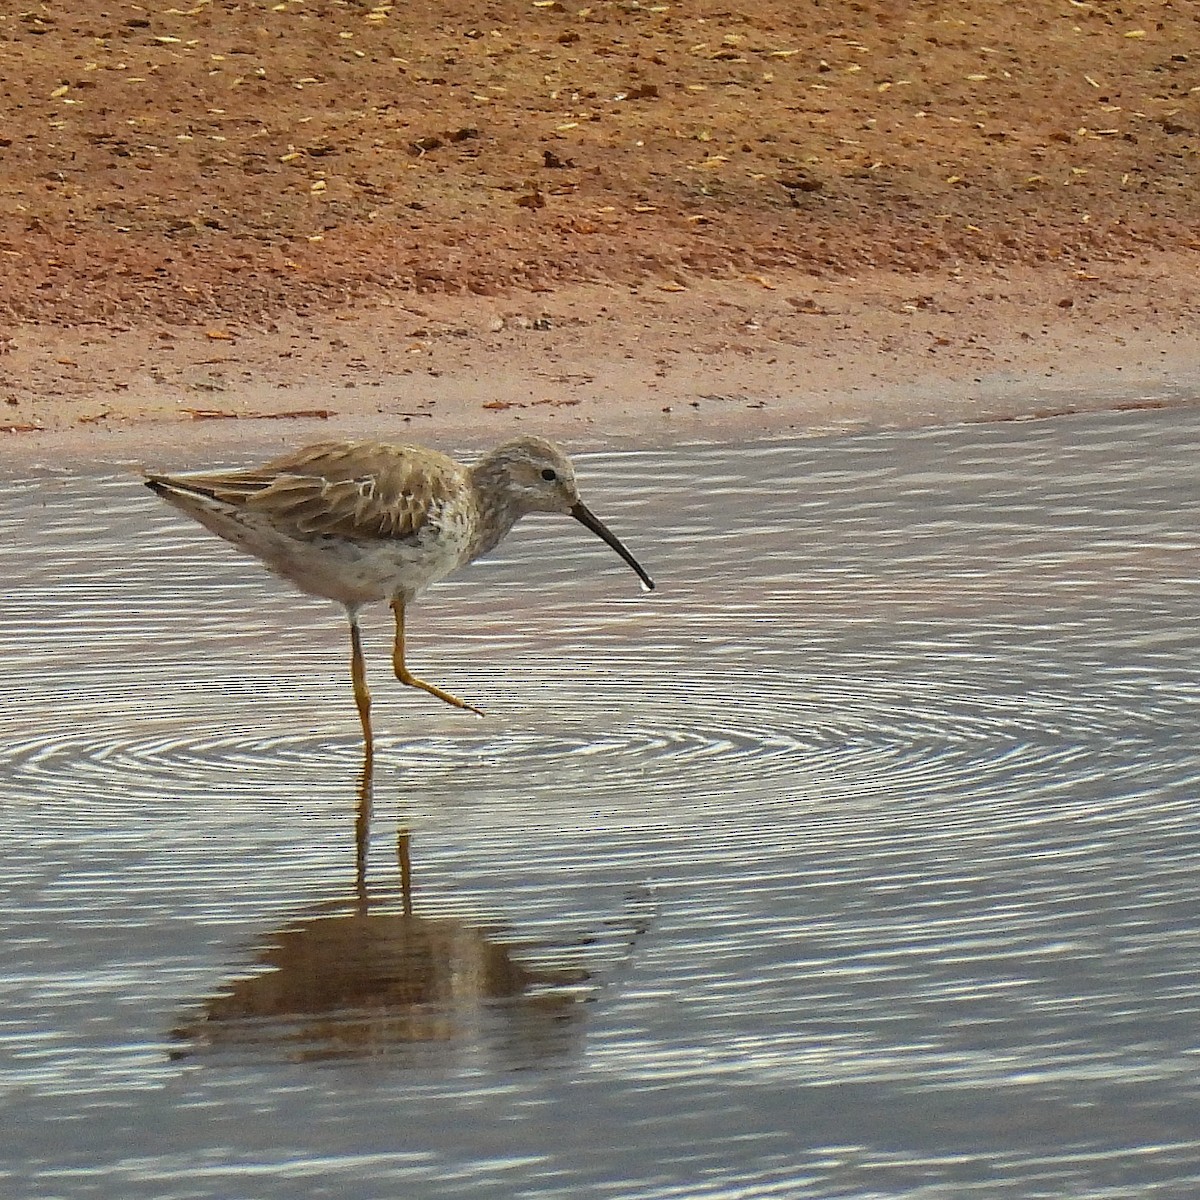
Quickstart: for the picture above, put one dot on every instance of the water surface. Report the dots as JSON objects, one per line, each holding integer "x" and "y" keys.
{"x": 858, "y": 860}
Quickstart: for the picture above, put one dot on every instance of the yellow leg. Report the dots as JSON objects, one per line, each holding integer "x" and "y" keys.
{"x": 362, "y": 696}
{"x": 407, "y": 677}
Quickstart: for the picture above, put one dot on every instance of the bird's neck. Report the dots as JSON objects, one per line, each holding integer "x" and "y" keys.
{"x": 491, "y": 531}
{"x": 497, "y": 511}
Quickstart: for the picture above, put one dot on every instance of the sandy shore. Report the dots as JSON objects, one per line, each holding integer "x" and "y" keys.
{"x": 765, "y": 357}
{"x": 224, "y": 228}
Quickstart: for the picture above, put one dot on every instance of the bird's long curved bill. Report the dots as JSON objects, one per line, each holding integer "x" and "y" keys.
{"x": 588, "y": 519}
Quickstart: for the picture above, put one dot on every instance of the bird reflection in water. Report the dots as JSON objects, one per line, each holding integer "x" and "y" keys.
{"x": 368, "y": 977}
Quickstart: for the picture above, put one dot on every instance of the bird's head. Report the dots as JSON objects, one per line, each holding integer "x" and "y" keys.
{"x": 534, "y": 475}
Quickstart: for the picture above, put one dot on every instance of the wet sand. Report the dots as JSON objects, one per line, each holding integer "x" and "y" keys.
{"x": 786, "y": 356}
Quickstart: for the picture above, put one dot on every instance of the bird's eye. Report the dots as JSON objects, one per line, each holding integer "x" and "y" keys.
{"x": 549, "y": 474}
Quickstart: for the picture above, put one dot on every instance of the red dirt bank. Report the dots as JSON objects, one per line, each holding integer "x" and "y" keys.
{"x": 326, "y": 194}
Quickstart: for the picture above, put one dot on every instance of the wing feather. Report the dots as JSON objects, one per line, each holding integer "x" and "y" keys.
{"x": 350, "y": 489}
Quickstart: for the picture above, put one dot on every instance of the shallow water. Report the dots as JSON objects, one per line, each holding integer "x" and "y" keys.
{"x": 859, "y": 860}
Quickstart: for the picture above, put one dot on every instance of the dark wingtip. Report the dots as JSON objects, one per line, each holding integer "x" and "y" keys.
{"x": 168, "y": 486}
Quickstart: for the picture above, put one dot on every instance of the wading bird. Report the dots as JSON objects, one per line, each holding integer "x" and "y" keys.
{"x": 359, "y": 522}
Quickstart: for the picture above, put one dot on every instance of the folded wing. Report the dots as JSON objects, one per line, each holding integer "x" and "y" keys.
{"x": 359, "y": 490}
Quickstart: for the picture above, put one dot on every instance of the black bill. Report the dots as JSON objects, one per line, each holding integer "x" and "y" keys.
{"x": 586, "y": 517}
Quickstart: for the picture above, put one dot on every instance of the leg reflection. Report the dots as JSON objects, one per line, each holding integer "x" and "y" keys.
{"x": 362, "y": 842}
{"x": 403, "y": 844}
{"x": 362, "y": 827}
{"x": 360, "y": 977}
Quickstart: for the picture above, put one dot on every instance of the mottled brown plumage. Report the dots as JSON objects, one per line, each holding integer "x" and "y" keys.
{"x": 353, "y": 489}
{"x": 359, "y": 522}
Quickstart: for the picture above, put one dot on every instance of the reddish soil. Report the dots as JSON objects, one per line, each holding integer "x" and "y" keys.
{"x": 314, "y": 206}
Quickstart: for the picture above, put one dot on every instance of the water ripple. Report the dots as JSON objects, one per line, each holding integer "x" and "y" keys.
{"x": 858, "y": 860}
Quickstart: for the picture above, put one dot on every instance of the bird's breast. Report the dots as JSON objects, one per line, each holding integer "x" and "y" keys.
{"x": 357, "y": 570}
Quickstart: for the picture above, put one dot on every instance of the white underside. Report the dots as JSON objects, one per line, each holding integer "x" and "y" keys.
{"x": 353, "y": 572}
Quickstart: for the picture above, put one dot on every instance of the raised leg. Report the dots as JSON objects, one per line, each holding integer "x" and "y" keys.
{"x": 407, "y": 677}
{"x": 362, "y": 696}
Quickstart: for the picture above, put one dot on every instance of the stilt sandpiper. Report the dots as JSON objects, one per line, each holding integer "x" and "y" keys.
{"x": 359, "y": 522}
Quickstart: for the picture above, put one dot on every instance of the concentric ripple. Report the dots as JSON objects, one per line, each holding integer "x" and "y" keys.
{"x": 817, "y": 736}
{"x": 900, "y": 763}
{"x": 821, "y": 737}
